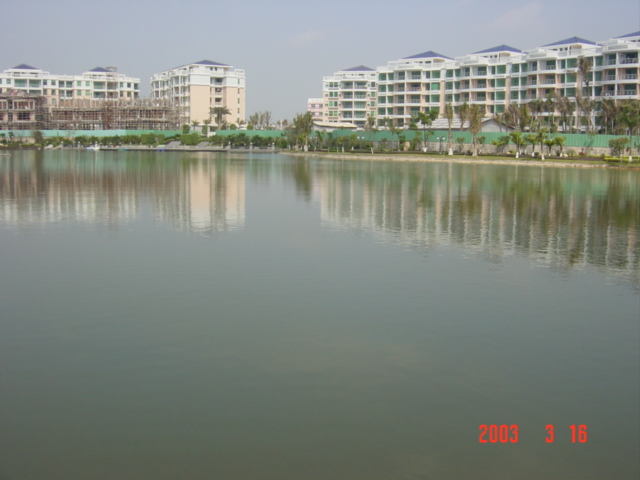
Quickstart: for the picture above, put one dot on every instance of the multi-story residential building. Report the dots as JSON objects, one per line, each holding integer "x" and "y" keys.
{"x": 97, "y": 84}
{"x": 200, "y": 86}
{"x": 349, "y": 96}
{"x": 500, "y": 76}
{"x": 411, "y": 85}
{"x": 314, "y": 106}
{"x": 99, "y": 99}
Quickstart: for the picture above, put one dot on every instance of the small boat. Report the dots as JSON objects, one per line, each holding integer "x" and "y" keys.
{"x": 94, "y": 148}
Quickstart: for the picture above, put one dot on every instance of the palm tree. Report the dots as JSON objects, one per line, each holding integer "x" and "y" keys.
{"x": 583, "y": 70}
{"x": 476, "y": 114}
{"x": 393, "y": 130}
{"x": 448, "y": 114}
{"x": 607, "y": 115}
{"x": 565, "y": 109}
{"x": 518, "y": 140}
{"x": 536, "y": 107}
{"x": 629, "y": 117}
{"x": 499, "y": 119}
{"x": 205, "y": 129}
{"x": 463, "y": 114}
{"x": 541, "y": 137}
{"x": 550, "y": 109}
{"x": 370, "y": 126}
{"x": 219, "y": 112}
{"x": 319, "y": 139}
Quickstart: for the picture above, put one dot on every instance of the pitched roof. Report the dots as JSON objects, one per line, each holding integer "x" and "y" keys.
{"x": 567, "y": 41}
{"x": 100, "y": 70}
{"x": 428, "y": 54}
{"x": 360, "y": 68}
{"x": 499, "y": 48}
{"x": 209, "y": 62}
{"x": 634, "y": 34}
{"x": 24, "y": 66}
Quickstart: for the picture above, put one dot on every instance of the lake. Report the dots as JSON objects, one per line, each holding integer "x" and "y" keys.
{"x": 263, "y": 316}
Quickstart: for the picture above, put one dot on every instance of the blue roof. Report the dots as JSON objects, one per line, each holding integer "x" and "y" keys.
{"x": 24, "y": 66}
{"x": 100, "y": 70}
{"x": 428, "y": 54}
{"x": 360, "y": 68}
{"x": 209, "y": 62}
{"x": 500, "y": 48}
{"x": 567, "y": 41}
{"x": 634, "y": 34}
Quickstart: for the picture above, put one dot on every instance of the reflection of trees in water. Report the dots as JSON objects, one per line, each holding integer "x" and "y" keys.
{"x": 194, "y": 193}
{"x": 561, "y": 217}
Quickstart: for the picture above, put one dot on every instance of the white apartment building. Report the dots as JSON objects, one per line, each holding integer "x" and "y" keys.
{"x": 349, "y": 96}
{"x": 97, "y": 84}
{"x": 502, "y": 75}
{"x": 200, "y": 86}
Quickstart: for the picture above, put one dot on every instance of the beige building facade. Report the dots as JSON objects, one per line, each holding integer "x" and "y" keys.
{"x": 198, "y": 87}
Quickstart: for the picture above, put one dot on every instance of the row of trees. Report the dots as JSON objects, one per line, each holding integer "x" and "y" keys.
{"x": 214, "y": 112}
{"x": 557, "y": 113}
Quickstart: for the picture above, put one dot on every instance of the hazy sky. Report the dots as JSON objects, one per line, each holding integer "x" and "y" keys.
{"x": 286, "y": 46}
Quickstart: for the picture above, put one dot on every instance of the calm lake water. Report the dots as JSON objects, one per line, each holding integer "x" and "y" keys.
{"x": 194, "y": 316}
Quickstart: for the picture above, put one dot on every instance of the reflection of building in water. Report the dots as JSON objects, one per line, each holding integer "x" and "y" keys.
{"x": 213, "y": 199}
{"x": 35, "y": 193}
{"x": 205, "y": 195}
{"x": 561, "y": 217}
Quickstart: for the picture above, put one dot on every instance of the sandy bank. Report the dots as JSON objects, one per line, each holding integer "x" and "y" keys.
{"x": 458, "y": 159}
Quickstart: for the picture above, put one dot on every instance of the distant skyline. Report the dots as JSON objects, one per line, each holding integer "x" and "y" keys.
{"x": 286, "y": 46}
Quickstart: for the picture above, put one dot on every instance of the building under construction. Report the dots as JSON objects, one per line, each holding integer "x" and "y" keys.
{"x": 22, "y": 111}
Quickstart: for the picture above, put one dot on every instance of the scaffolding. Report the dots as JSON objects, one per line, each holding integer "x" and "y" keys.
{"x": 120, "y": 114}
{"x": 20, "y": 110}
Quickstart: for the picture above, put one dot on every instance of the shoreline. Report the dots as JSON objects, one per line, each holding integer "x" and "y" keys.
{"x": 389, "y": 157}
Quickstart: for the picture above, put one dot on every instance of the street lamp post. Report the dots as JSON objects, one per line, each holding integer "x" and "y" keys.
{"x": 440, "y": 139}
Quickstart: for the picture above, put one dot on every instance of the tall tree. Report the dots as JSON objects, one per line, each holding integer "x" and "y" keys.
{"x": 448, "y": 114}
{"x": 370, "y": 127}
{"x": 219, "y": 112}
{"x": 476, "y": 114}
{"x": 583, "y": 71}
{"x": 302, "y": 128}
{"x": 629, "y": 118}
{"x": 426, "y": 120}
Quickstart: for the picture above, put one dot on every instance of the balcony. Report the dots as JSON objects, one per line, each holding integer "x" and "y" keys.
{"x": 630, "y": 76}
{"x": 629, "y": 60}
{"x": 549, "y": 82}
{"x": 608, "y": 78}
